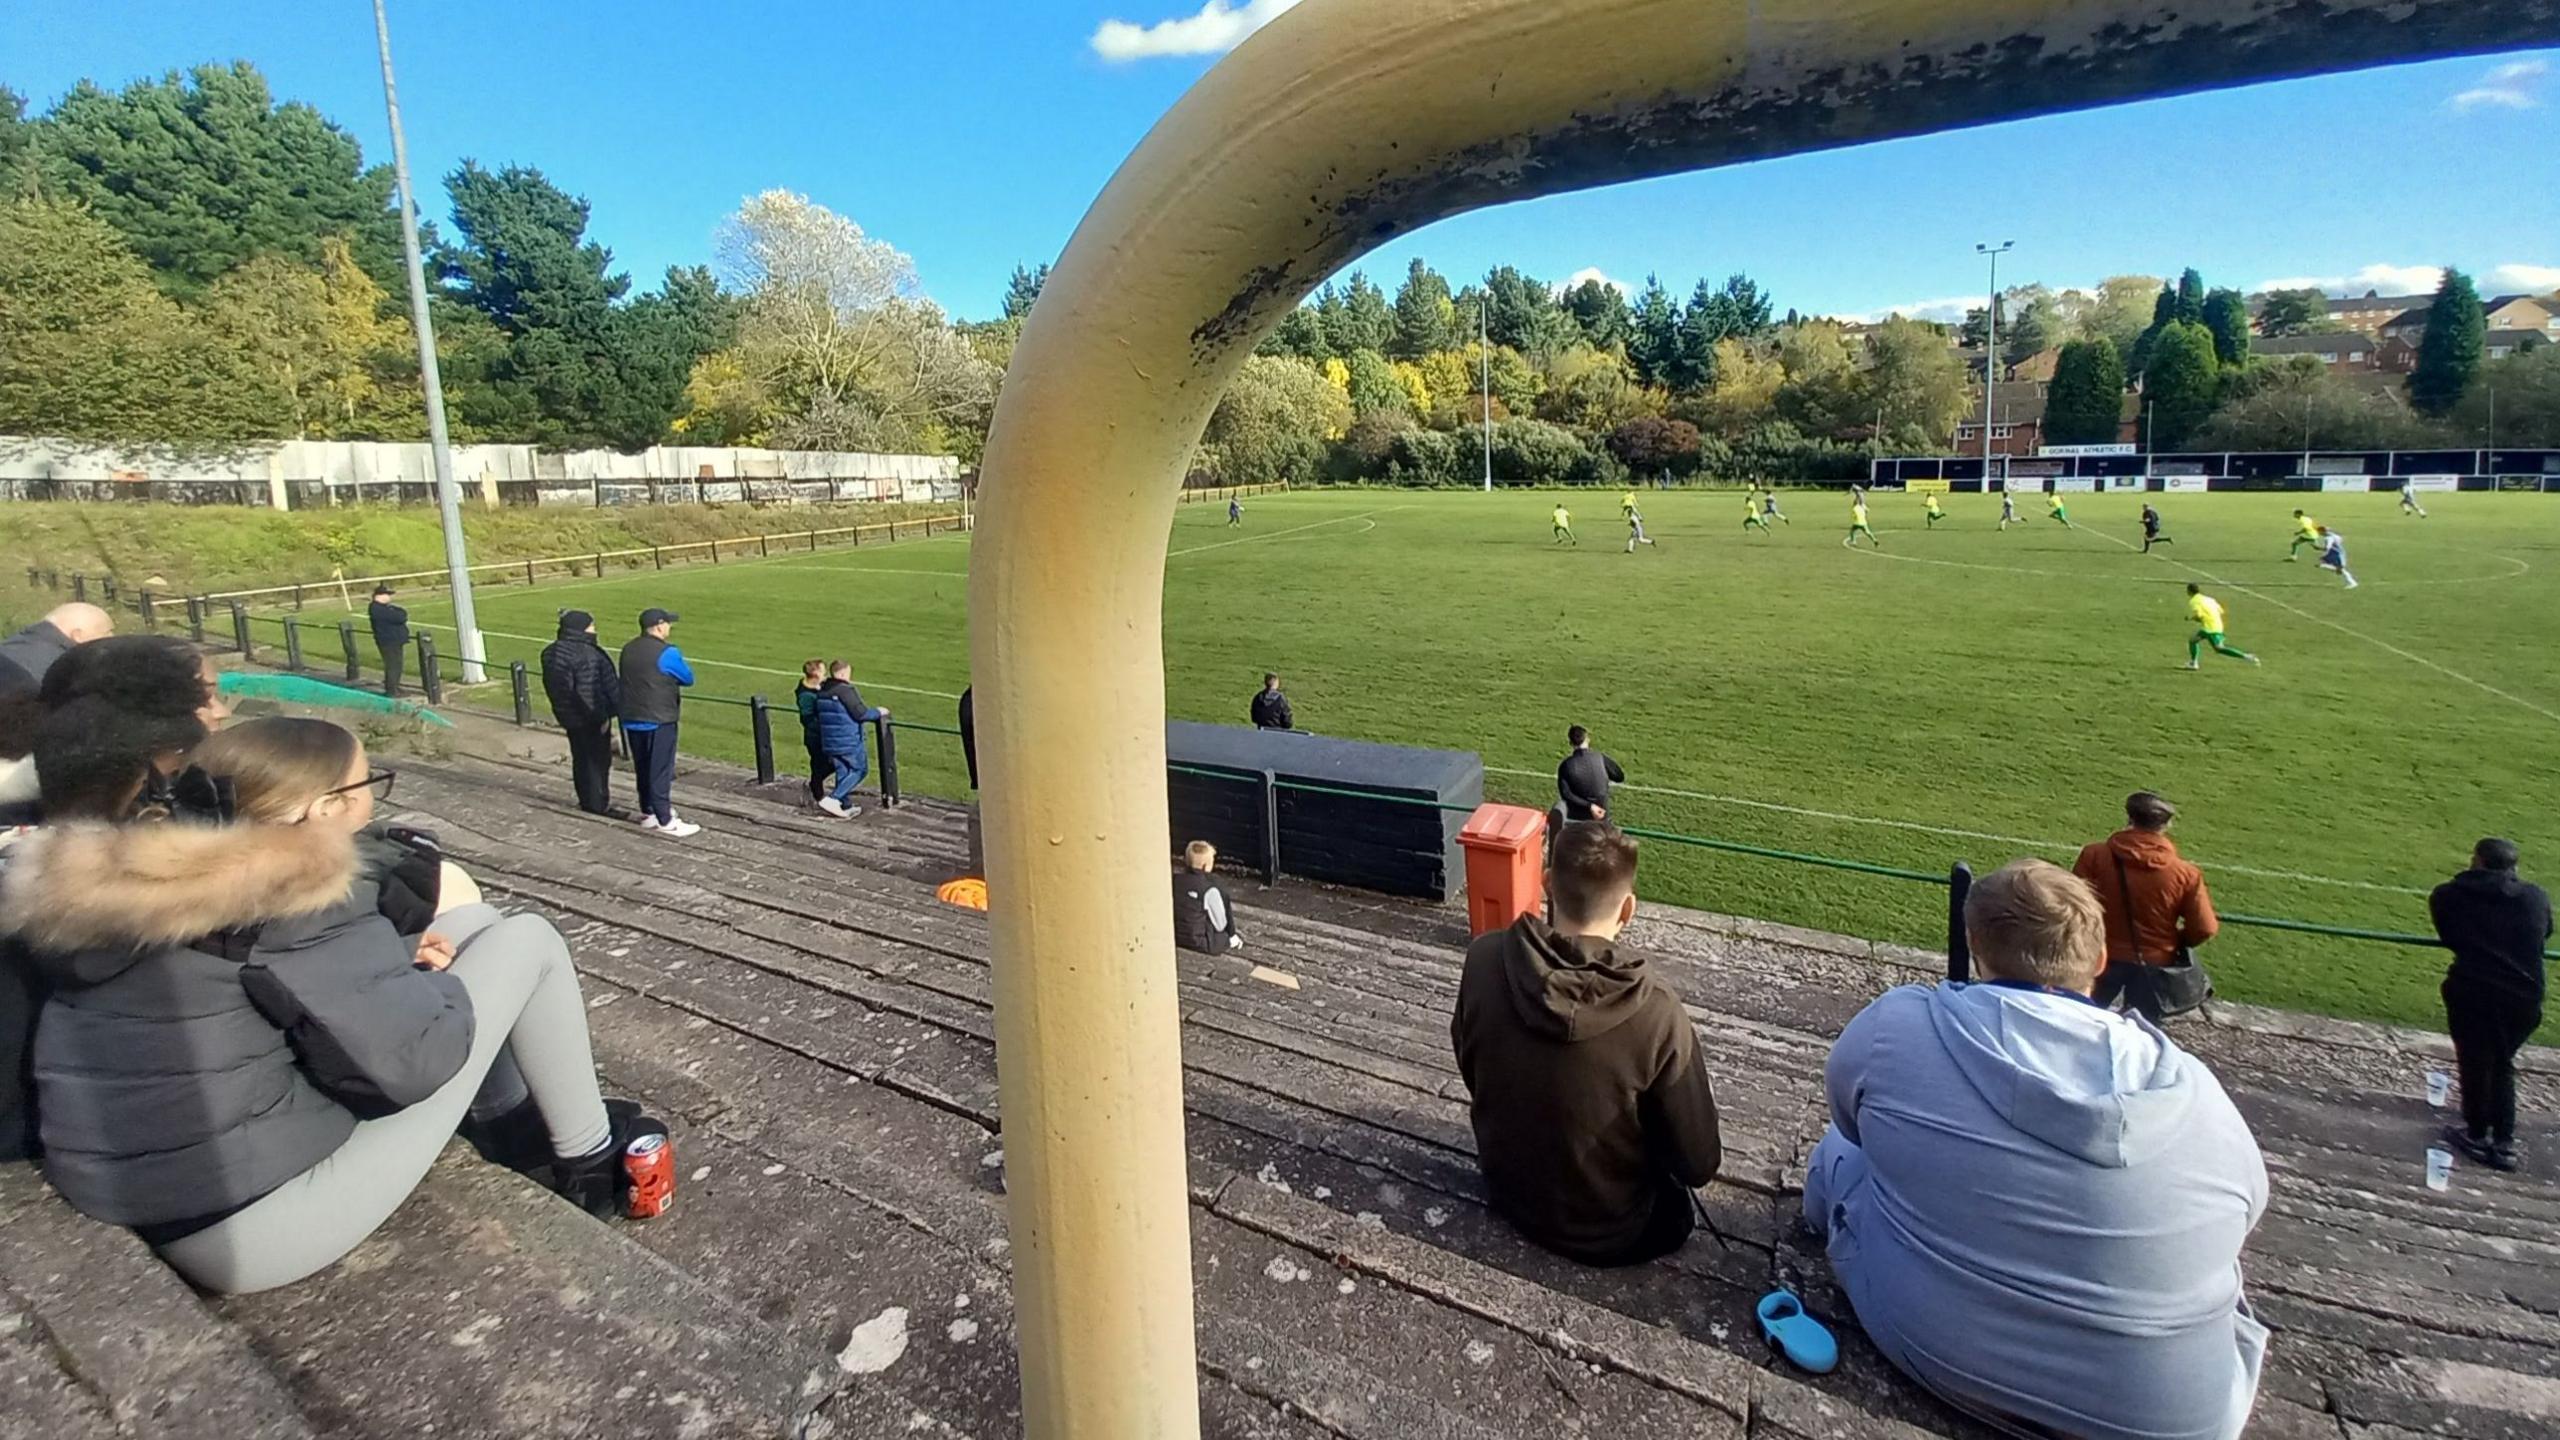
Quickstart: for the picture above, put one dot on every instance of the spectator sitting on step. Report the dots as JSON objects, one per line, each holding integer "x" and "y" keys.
{"x": 1594, "y": 1119}
{"x": 1270, "y": 708}
{"x": 2157, "y": 908}
{"x": 813, "y": 677}
{"x": 243, "y": 1058}
{"x": 27, "y": 655}
{"x": 2036, "y": 1205}
{"x": 841, "y": 715}
{"x": 1202, "y": 923}
{"x": 154, "y": 678}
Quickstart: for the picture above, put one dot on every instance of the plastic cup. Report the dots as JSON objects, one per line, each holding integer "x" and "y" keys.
{"x": 2439, "y": 1169}
{"x": 2439, "y": 1088}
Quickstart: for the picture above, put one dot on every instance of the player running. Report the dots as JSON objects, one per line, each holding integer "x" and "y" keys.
{"x": 1235, "y": 512}
{"x": 1769, "y": 509}
{"x": 2409, "y": 502}
{"x": 2008, "y": 509}
{"x": 1564, "y": 525}
{"x": 2306, "y": 531}
{"x": 1930, "y": 503}
{"x": 2207, "y": 613}
{"x": 1627, "y": 505}
{"x": 1635, "y": 530}
{"x": 1751, "y": 514}
{"x": 2058, "y": 512}
{"x": 2333, "y": 555}
{"x": 1858, "y": 522}
{"x": 2151, "y": 529}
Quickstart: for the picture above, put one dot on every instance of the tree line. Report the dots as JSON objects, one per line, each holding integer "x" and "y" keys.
{"x": 186, "y": 259}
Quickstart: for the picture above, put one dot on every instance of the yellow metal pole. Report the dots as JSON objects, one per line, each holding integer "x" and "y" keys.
{"x": 1342, "y": 124}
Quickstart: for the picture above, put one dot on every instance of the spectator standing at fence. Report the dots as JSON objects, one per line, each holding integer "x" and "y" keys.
{"x": 27, "y": 655}
{"x": 586, "y": 696}
{"x": 1593, "y": 1115}
{"x": 2157, "y": 912}
{"x": 804, "y": 696}
{"x": 654, "y": 677}
{"x": 1202, "y": 923}
{"x": 390, "y": 636}
{"x": 1271, "y": 708}
{"x": 2496, "y": 924}
{"x": 841, "y": 714}
{"x": 2037, "y": 1205}
{"x": 1583, "y": 778}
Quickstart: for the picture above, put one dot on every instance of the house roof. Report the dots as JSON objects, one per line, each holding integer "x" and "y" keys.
{"x": 2371, "y": 301}
{"x": 2314, "y": 344}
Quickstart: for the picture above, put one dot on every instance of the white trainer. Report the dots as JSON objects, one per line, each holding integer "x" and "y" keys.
{"x": 831, "y": 805}
{"x": 648, "y": 821}
{"x": 679, "y": 828}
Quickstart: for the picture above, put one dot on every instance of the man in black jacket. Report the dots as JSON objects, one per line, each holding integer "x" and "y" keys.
{"x": 390, "y": 636}
{"x": 1271, "y": 708}
{"x": 586, "y": 695}
{"x": 1584, "y": 777}
{"x": 654, "y": 674}
{"x": 2496, "y": 925}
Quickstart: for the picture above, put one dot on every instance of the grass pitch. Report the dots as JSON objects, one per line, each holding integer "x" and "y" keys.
{"x": 1959, "y": 693}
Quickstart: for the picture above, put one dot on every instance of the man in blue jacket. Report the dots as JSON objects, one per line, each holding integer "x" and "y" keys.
{"x": 839, "y": 715}
{"x": 2037, "y": 1205}
{"x": 654, "y": 677}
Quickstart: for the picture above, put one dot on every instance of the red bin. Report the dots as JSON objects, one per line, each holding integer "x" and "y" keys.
{"x": 1506, "y": 864}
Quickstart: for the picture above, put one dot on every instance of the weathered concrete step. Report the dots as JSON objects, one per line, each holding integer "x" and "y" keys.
{"x": 487, "y": 1307}
{"x": 95, "y": 1330}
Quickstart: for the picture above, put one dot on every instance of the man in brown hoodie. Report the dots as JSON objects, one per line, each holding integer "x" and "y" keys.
{"x": 2155, "y": 901}
{"x": 1593, "y": 1117}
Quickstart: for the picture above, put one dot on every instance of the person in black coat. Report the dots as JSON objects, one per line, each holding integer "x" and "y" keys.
{"x": 2496, "y": 925}
{"x": 390, "y": 636}
{"x": 1584, "y": 777}
{"x": 586, "y": 695}
{"x": 1271, "y": 708}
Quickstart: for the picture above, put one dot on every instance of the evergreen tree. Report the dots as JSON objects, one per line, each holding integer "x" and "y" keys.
{"x": 2293, "y": 312}
{"x": 2086, "y": 398}
{"x": 1653, "y": 333}
{"x": 2164, "y": 313}
{"x": 199, "y": 172}
{"x": 1299, "y": 335}
{"x": 1599, "y": 312}
{"x": 1425, "y": 319}
{"x": 1524, "y": 316}
{"x": 2191, "y": 296}
{"x": 2183, "y": 384}
{"x": 2226, "y": 314}
{"x": 1707, "y": 319}
{"x": 1023, "y": 290}
{"x": 17, "y": 138}
{"x": 1361, "y": 319}
{"x": 2449, "y": 353}
{"x": 2036, "y": 329}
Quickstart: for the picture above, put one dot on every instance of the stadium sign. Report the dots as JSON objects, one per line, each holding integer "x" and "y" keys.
{"x": 2128, "y": 482}
{"x": 2185, "y": 484}
{"x": 2067, "y": 451}
{"x": 1929, "y": 487}
{"x": 2074, "y": 484}
{"x": 2344, "y": 484}
{"x": 2434, "y": 482}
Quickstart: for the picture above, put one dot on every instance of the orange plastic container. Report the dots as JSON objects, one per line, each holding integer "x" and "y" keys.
{"x": 1506, "y": 863}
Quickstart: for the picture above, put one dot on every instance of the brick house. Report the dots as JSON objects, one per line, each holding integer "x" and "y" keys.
{"x": 2348, "y": 350}
{"x": 2370, "y": 311}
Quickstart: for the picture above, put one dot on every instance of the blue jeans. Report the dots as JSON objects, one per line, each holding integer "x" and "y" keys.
{"x": 850, "y": 772}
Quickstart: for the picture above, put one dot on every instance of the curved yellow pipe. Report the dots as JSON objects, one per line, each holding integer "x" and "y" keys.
{"x": 1341, "y": 124}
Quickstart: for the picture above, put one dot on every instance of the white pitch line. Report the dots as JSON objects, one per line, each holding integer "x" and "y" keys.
{"x": 2057, "y": 846}
{"x": 2376, "y": 641}
{"x": 1276, "y": 534}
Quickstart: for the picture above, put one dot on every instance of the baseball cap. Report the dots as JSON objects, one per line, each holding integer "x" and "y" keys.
{"x": 653, "y": 615}
{"x": 576, "y": 619}
{"x": 2143, "y": 807}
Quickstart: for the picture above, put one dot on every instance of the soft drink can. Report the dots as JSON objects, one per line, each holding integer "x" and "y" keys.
{"x": 2439, "y": 1088}
{"x": 2439, "y": 1169}
{"x": 650, "y": 1161}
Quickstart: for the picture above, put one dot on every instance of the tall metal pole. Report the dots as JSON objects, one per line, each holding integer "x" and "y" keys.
{"x": 1990, "y": 352}
{"x": 1484, "y": 357}
{"x": 457, "y": 564}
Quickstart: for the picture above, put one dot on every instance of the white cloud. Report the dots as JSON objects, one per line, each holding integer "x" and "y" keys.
{"x": 1219, "y": 26}
{"x": 2515, "y": 85}
{"x": 1594, "y": 272}
{"x": 1949, "y": 310}
{"x": 2383, "y": 279}
{"x": 2531, "y": 279}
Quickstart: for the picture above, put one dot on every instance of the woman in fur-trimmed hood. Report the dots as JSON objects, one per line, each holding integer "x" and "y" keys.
{"x": 242, "y": 1056}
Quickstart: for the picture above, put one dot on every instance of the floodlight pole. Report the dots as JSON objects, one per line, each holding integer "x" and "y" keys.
{"x": 457, "y": 563}
{"x": 1484, "y": 358}
{"x": 1990, "y": 351}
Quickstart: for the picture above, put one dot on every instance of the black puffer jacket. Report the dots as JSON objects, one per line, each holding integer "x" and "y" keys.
{"x": 580, "y": 678}
{"x": 227, "y": 1001}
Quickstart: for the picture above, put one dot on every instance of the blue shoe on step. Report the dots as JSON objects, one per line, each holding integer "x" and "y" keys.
{"x": 1801, "y": 1338}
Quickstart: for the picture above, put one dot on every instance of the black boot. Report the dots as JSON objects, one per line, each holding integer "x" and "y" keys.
{"x": 597, "y": 1183}
{"x": 515, "y": 1139}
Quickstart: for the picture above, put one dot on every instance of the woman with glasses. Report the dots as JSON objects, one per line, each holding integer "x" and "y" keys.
{"x": 244, "y": 1058}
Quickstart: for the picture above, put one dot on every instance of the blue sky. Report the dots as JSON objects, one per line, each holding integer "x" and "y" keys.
{"x": 972, "y": 135}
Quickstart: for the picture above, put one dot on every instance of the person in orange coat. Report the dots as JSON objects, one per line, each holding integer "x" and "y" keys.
{"x": 2155, "y": 900}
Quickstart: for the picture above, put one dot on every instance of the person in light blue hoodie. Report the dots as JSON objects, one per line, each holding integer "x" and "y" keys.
{"x": 2035, "y": 1205}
